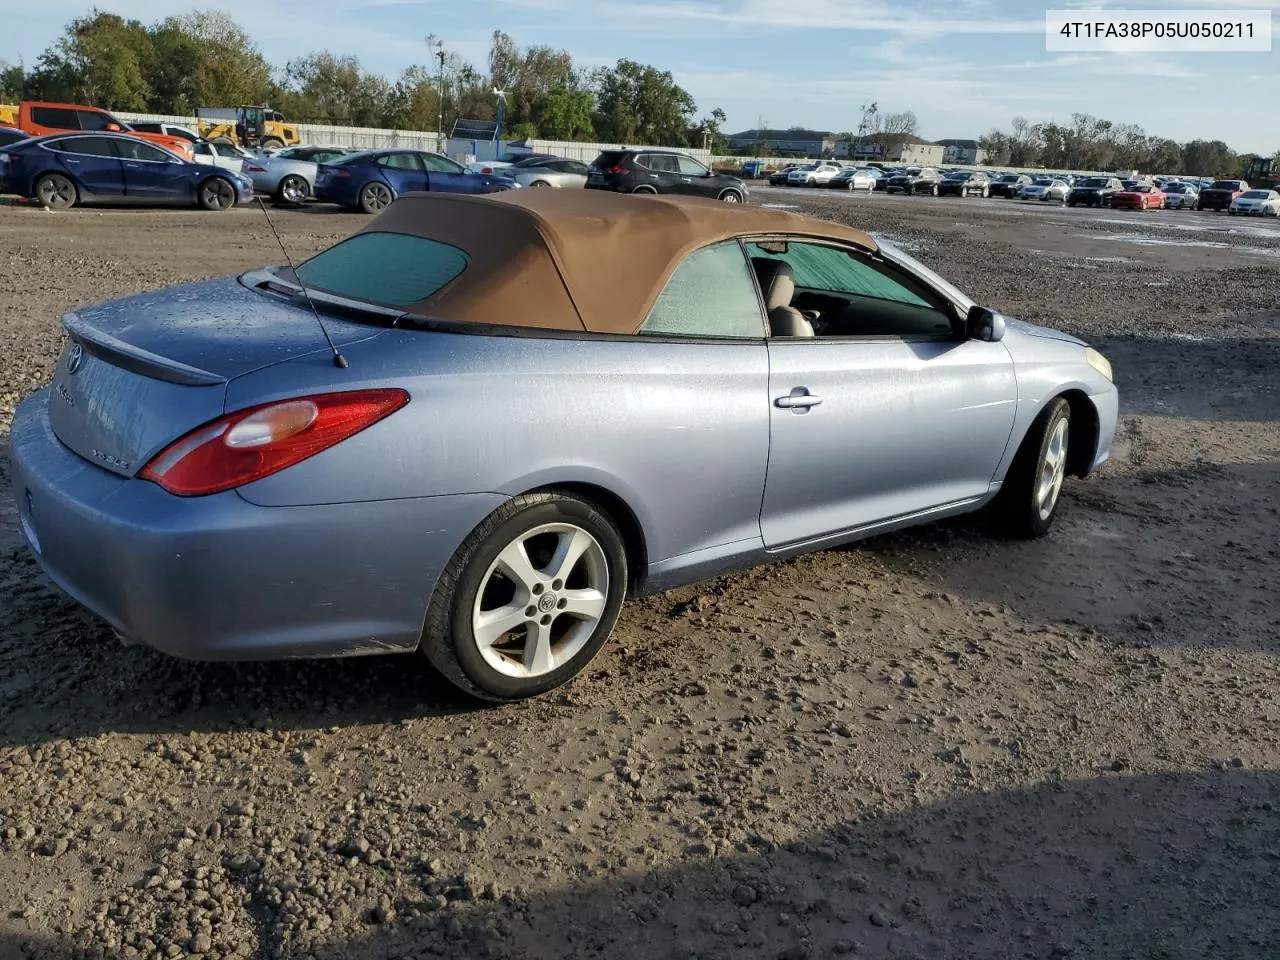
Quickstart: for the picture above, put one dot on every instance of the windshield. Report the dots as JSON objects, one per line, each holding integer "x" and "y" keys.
{"x": 1094, "y": 182}
{"x": 1010, "y": 178}
{"x": 391, "y": 269}
{"x": 1226, "y": 185}
{"x": 1255, "y": 194}
{"x": 808, "y": 166}
{"x": 960, "y": 175}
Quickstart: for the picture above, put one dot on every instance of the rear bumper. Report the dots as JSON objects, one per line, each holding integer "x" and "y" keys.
{"x": 219, "y": 578}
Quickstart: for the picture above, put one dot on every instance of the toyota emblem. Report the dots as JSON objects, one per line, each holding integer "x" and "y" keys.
{"x": 74, "y": 358}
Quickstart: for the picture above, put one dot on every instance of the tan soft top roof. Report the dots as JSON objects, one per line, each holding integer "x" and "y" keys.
{"x": 576, "y": 259}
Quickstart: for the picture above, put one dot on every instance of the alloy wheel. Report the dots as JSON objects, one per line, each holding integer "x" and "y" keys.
{"x": 294, "y": 189}
{"x": 540, "y": 601}
{"x": 56, "y": 192}
{"x": 376, "y": 197}
{"x": 217, "y": 194}
{"x": 1053, "y": 469}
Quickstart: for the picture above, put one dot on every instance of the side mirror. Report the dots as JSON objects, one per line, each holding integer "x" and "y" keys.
{"x": 112, "y": 127}
{"x": 984, "y": 324}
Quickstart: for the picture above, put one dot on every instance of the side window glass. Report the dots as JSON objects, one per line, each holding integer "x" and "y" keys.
{"x": 90, "y": 146}
{"x": 55, "y": 118}
{"x": 711, "y": 294}
{"x": 131, "y": 149}
{"x": 92, "y": 120}
{"x": 661, "y": 162}
{"x": 690, "y": 167}
{"x": 438, "y": 164}
{"x": 399, "y": 161}
{"x": 854, "y": 296}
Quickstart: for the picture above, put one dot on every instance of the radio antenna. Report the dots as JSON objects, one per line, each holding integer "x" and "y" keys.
{"x": 339, "y": 360}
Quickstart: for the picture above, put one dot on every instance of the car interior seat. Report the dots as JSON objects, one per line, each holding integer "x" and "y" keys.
{"x": 778, "y": 283}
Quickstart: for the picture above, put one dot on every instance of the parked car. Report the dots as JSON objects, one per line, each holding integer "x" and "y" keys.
{"x": 965, "y": 183}
{"x": 166, "y": 130}
{"x": 1138, "y": 196}
{"x": 915, "y": 180}
{"x": 10, "y": 135}
{"x": 689, "y": 419}
{"x": 549, "y": 172}
{"x": 1219, "y": 194}
{"x": 752, "y": 169}
{"x": 812, "y": 174}
{"x": 504, "y": 160}
{"x": 1256, "y": 203}
{"x": 372, "y": 179}
{"x": 63, "y": 170}
{"x": 289, "y": 175}
{"x": 779, "y": 177}
{"x": 39, "y": 118}
{"x": 1009, "y": 185}
{"x": 661, "y": 171}
{"x": 1180, "y": 195}
{"x": 1046, "y": 189}
{"x": 225, "y": 155}
{"x": 886, "y": 175}
{"x": 855, "y": 178}
{"x": 1093, "y": 192}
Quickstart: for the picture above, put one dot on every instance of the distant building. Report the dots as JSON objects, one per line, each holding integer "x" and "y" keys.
{"x": 888, "y": 148}
{"x": 803, "y": 143}
{"x": 962, "y": 151}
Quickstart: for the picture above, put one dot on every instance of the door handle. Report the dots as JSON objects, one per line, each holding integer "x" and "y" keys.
{"x": 686, "y": 179}
{"x": 798, "y": 400}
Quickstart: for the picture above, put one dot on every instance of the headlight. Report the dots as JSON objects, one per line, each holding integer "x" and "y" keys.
{"x": 1098, "y": 362}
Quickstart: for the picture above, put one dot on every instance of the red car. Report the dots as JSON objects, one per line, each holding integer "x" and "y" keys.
{"x": 1138, "y": 196}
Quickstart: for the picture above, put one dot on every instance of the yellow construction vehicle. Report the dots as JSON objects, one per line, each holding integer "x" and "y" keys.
{"x": 8, "y": 114}
{"x": 1263, "y": 173}
{"x": 247, "y": 126}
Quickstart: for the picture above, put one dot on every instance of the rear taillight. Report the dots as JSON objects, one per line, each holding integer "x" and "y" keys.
{"x": 250, "y": 444}
{"x": 618, "y": 169}
{"x": 486, "y": 169}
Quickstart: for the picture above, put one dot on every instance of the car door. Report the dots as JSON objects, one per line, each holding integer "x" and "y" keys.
{"x": 569, "y": 173}
{"x": 228, "y": 157}
{"x": 888, "y": 413}
{"x": 402, "y": 171}
{"x": 93, "y": 162}
{"x": 445, "y": 175}
{"x": 695, "y": 179}
{"x": 661, "y": 171}
{"x": 154, "y": 174}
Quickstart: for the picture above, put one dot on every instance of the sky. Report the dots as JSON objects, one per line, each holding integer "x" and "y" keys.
{"x": 963, "y": 66}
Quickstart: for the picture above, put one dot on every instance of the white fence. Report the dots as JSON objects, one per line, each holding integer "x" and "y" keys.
{"x": 374, "y": 138}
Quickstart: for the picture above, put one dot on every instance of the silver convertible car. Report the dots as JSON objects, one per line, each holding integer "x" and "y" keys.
{"x": 533, "y": 405}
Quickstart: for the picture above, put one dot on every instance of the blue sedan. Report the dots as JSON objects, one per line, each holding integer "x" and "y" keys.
{"x": 369, "y": 181}
{"x": 63, "y": 170}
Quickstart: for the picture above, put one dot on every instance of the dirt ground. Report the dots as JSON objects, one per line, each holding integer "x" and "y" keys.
{"x": 935, "y": 744}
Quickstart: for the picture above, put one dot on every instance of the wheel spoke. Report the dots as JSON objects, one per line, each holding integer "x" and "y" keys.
{"x": 490, "y": 625}
{"x": 537, "y": 649}
{"x": 585, "y": 604}
{"x": 515, "y": 565}
{"x": 568, "y": 552}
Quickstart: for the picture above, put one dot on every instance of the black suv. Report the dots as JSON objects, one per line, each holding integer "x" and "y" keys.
{"x": 1093, "y": 192}
{"x": 1009, "y": 185}
{"x": 661, "y": 171}
{"x": 965, "y": 183}
{"x": 915, "y": 180}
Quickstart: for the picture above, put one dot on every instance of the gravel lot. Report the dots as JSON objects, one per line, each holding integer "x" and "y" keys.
{"x": 934, "y": 744}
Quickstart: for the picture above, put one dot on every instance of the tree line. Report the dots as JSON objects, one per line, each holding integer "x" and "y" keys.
{"x": 206, "y": 59}
{"x": 1089, "y": 143}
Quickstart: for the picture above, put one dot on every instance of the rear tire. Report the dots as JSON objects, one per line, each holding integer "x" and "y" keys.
{"x": 539, "y": 183}
{"x": 56, "y": 192}
{"x": 293, "y": 189}
{"x": 216, "y": 194}
{"x": 1028, "y": 500}
{"x": 375, "y": 197}
{"x": 509, "y": 573}
{"x": 646, "y": 191}
{"x": 271, "y": 143}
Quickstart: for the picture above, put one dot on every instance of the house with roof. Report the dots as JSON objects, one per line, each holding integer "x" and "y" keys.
{"x": 892, "y": 148}
{"x": 796, "y": 142}
{"x": 962, "y": 151}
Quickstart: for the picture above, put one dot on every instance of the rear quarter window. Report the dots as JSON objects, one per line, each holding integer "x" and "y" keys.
{"x": 392, "y": 269}
{"x": 609, "y": 158}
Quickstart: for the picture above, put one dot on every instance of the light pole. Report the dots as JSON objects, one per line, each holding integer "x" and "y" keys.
{"x": 868, "y": 111}
{"x": 437, "y": 50}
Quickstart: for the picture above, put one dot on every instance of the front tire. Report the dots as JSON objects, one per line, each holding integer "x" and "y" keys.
{"x": 375, "y": 197}
{"x": 730, "y": 196}
{"x": 933, "y": 191}
{"x": 529, "y": 597}
{"x": 216, "y": 194}
{"x": 645, "y": 191}
{"x": 1028, "y": 500}
{"x": 56, "y": 192}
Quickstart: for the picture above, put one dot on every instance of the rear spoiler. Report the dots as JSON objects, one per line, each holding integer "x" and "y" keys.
{"x": 134, "y": 359}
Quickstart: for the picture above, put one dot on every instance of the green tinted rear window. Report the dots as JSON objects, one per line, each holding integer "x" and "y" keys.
{"x": 387, "y": 268}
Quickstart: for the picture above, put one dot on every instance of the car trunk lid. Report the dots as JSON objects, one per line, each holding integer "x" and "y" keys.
{"x": 137, "y": 373}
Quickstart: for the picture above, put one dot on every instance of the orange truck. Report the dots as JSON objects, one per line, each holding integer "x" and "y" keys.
{"x": 38, "y": 118}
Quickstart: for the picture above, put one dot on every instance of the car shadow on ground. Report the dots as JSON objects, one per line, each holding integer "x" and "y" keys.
{"x": 1166, "y": 865}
